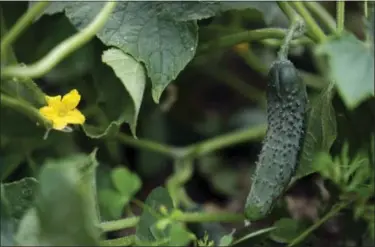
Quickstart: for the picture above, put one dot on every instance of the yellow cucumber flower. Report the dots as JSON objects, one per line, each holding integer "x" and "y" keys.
{"x": 62, "y": 112}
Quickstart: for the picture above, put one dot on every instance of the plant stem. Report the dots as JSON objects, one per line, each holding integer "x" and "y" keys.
{"x": 209, "y": 217}
{"x": 24, "y": 108}
{"x": 116, "y": 225}
{"x": 245, "y": 36}
{"x": 198, "y": 149}
{"x": 287, "y": 9}
{"x": 109, "y": 226}
{"x": 322, "y": 14}
{"x": 340, "y": 15}
{"x": 294, "y": 30}
{"x": 123, "y": 241}
{"x": 236, "y": 137}
{"x": 21, "y": 25}
{"x": 167, "y": 150}
{"x": 7, "y": 54}
{"x": 295, "y": 42}
{"x": 335, "y": 209}
{"x": 183, "y": 170}
{"x": 309, "y": 20}
{"x": 61, "y": 51}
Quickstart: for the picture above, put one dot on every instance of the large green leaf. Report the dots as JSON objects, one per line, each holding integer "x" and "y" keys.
{"x": 132, "y": 76}
{"x": 8, "y": 228}
{"x": 321, "y": 131}
{"x": 162, "y": 35}
{"x": 20, "y": 195}
{"x": 351, "y": 67}
{"x": 65, "y": 211}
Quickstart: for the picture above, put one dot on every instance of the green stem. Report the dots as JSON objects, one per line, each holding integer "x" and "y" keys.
{"x": 329, "y": 215}
{"x": 21, "y": 25}
{"x": 62, "y": 50}
{"x": 198, "y": 149}
{"x": 296, "y": 42}
{"x": 116, "y": 225}
{"x": 183, "y": 170}
{"x": 340, "y": 8}
{"x": 365, "y": 8}
{"x": 110, "y": 226}
{"x": 294, "y": 30}
{"x": 309, "y": 20}
{"x": 123, "y": 241}
{"x": 245, "y": 36}
{"x": 167, "y": 150}
{"x": 322, "y": 14}
{"x": 24, "y": 108}
{"x": 220, "y": 142}
{"x": 209, "y": 217}
{"x": 7, "y": 55}
{"x": 288, "y": 10}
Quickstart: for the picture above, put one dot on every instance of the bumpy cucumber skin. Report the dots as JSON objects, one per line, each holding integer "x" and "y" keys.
{"x": 286, "y": 110}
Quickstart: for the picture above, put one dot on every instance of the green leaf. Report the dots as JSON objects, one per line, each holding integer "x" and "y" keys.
{"x": 150, "y": 216}
{"x": 164, "y": 45}
{"x": 65, "y": 211}
{"x": 29, "y": 229}
{"x": 112, "y": 203}
{"x": 163, "y": 35}
{"x": 113, "y": 105}
{"x": 20, "y": 195}
{"x": 180, "y": 235}
{"x": 351, "y": 64}
{"x": 321, "y": 131}
{"x": 8, "y": 227}
{"x": 132, "y": 76}
{"x": 227, "y": 239}
{"x": 126, "y": 182}
{"x": 24, "y": 89}
{"x": 286, "y": 230}
{"x": 324, "y": 165}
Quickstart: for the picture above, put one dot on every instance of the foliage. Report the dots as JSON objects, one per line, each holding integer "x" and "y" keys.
{"x": 178, "y": 84}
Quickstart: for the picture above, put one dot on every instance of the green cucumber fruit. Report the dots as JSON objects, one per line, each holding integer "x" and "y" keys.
{"x": 287, "y": 104}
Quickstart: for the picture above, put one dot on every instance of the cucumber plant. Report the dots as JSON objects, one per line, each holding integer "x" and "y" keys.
{"x": 80, "y": 76}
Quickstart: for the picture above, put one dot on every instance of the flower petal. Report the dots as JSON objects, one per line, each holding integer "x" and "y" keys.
{"x": 75, "y": 117}
{"x": 71, "y": 99}
{"x": 59, "y": 123}
{"x": 53, "y": 101}
{"x": 48, "y": 112}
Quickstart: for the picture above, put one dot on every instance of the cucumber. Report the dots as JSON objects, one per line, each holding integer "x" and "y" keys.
{"x": 287, "y": 105}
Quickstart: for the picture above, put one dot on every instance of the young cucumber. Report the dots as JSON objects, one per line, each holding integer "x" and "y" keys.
{"x": 286, "y": 110}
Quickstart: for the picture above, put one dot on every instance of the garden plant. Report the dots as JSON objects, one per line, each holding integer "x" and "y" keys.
{"x": 189, "y": 123}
